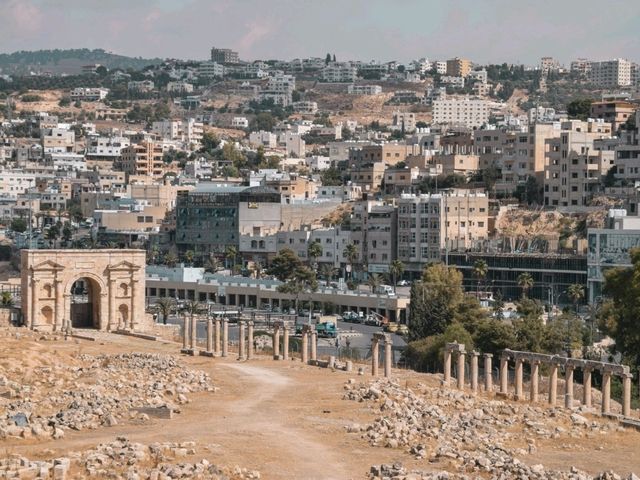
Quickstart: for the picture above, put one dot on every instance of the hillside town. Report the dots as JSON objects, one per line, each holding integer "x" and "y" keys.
{"x": 185, "y": 236}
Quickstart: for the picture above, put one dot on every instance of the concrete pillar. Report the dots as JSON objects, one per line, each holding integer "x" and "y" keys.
{"x": 474, "y": 371}
{"x": 447, "y": 366}
{"x": 504, "y": 375}
{"x": 276, "y": 342}
{"x": 533, "y": 393}
{"x": 568, "y": 386}
{"x": 241, "y": 344}
{"x": 285, "y": 343}
{"x": 59, "y": 305}
{"x": 185, "y": 332}
{"x": 461, "y": 360}
{"x": 388, "y": 358}
{"x": 225, "y": 337}
{"x": 586, "y": 387}
{"x": 209, "y": 335}
{"x": 249, "y": 340}
{"x": 194, "y": 333}
{"x": 553, "y": 384}
{"x": 374, "y": 357}
{"x": 314, "y": 346}
{"x": 626, "y": 394}
{"x": 488, "y": 374}
{"x": 519, "y": 394}
{"x": 217, "y": 340}
{"x": 305, "y": 347}
{"x": 606, "y": 392}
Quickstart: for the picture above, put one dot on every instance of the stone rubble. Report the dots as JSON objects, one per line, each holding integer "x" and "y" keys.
{"x": 468, "y": 436}
{"x": 98, "y": 391}
{"x": 123, "y": 459}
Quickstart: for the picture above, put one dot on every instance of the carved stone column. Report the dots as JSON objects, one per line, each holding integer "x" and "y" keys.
{"x": 285, "y": 343}
{"x": 474, "y": 371}
{"x": 447, "y": 366}
{"x": 276, "y": 342}
{"x": 586, "y": 386}
{"x": 626, "y": 394}
{"x": 209, "y": 335}
{"x": 35, "y": 306}
{"x": 519, "y": 394}
{"x": 504, "y": 375}
{"x": 553, "y": 383}
{"x": 305, "y": 347}
{"x": 461, "y": 362}
{"x": 225, "y": 337}
{"x": 241, "y": 340}
{"x": 135, "y": 298}
{"x": 374, "y": 356}
{"x": 535, "y": 368}
{"x": 217, "y": 345}
{"x": 314, "y": 346}
{"x": 388, "y": 356}
{"x": 249, "y": 340}
{"x": 113, "y": 312}
{"x": 606, "y": 392}
{"x": 59, "y": 305}
{"x": 488, "y": 373}
{"x": 568, "y": 386}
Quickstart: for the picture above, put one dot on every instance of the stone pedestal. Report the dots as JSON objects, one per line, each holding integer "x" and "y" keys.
{"x": 461, "y": 361}
{"x": 606, "y": 392}
{"x": 474, "y": 371}
{"x": 553, "y": 384}
{"x": 518, "y": 380}
{"x": 488, "y": 373}
{"x": 535, "y": 367}
{"x": 568, "y": 386}
{"x": 348, "y": 366}
{"x": 225, "y": 337}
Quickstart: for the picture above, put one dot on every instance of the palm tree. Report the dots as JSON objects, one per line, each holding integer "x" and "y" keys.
{"x": 350, "y": 252}
{"x": 231, "y": 254}
{"x": 6, "y": 299}
{"x": 212, "y": 264}
{"x": 192, "y": 307}
{"x": 314, "y": 250}
{"x": 327, "y": 271}
{"x": 480, "y": 270}
{"x": 525, "y": 282}
{"x": 170, "y": 259}
{"x": 396, "y": 269}
{"x": 575, "y": 292}
{"x": 165, "y": 307}
{"x": 374, "y": 281}
{"x": 188, "y": 257}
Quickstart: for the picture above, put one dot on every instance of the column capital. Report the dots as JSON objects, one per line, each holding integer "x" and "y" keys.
{"x": 474, "y": 353}
{"x": 487, "y": 355}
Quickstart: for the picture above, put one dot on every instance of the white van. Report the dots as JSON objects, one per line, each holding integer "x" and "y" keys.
{"x": 385, "y": 290}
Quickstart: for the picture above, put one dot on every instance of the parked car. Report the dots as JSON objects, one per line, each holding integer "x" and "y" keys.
{"x": 403, "y": 283}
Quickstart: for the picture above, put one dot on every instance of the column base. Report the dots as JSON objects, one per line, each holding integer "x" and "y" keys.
{"x": 188, "y": 351}
{"x": 277, "y": 357}
{"x": 206, "y": 354}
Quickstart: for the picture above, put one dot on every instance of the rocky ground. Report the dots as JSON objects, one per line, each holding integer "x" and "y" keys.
{"x": 467, "y": 436}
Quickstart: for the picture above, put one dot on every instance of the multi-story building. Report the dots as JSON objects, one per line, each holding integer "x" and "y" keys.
{"x": 179, "y": 87}
{"x": 105, "y": 148}
{"x": 628, "y": 156}
{"x": 57, "y": 140}
{"x": 611, "y": 73}
{"x": 14, "y": 183}
{"x": 336, "y": 72}
{"x": 212, "y": 217}
{"x": 404, "y": 121}
{"x": 373, "y": 232}
{"x": 616, "y": 112}
{"x": 211, "y": 70}
{"x": 549, "y": 64}
{"x": 429, "y": 224}
{"x": 280, "y": 89}
{"x": 458, "y": 67}
{"x": 305, "y": 107}
{"x": 89, "y": 94}
{"x": 581, "y": 66}
{"x": 368, "y": 176}
{"x": 262, "y": 138}
{"x": 188, "y": 131}
{"x": 387, "y": 153}
{"x": 142, "y": 86}
{"x": 364, "y": 89}
{"x": 574, "y": 166}
{"x": 467, "y": 112}
{"x": 224, "y": 55}
{"x": 440, "y": 67}
{"x": 240, "y": 122}
{"x": 145, "y": 158}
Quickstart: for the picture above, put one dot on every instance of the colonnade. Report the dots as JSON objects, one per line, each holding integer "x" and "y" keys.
{"x": 552, "y": 363}
{"x": 217, "y": 344}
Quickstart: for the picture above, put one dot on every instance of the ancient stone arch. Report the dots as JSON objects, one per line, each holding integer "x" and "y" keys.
{"x": 115, "y": 279}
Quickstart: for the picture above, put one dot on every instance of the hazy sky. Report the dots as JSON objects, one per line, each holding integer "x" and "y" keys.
{"x": 482, "y": 30}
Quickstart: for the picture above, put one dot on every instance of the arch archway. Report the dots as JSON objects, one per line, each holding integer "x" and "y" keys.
{"x": 85, "y": 303}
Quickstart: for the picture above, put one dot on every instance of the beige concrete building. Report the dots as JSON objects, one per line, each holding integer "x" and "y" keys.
{"x": 388, "y": 153}
{"x": 574, "y": 165}
{"x": 144, "y": 158}
{"x": 458, "y": 67}
{"x": 368, "y": 176}
{"x": 616, "y": 113}
{"x": 457, "y": 163}
{"x": 102, "y": 289}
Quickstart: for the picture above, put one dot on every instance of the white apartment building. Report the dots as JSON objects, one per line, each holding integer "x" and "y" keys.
{"x": 279, "y": 88}
{"x": 611, "y": 73}
{"x": 440, "y": 67}
{"x": 240, "y": 122}
{"x": 188, "y": 131}
{"x": 69, "y": 162}
{"x": 57, "y": 140}
{"x": 581, "y": 65}
{"x": 140, "y": 86}
{"x": 179, "y": 87}
{"x": 318, "y": 162}
{"x": 262, "y": 138}
{"x": 339, "y": 73}
{"x": 211, "y": 70}
{"x": 14, "y": 183}
{"x": 455, "y": 82}
{"x": 467, "y": 112}
{"x": 404, "y": 121}
{"x": 364, "y": 89}
{"x": 89, "y": 94}
{"x": 478, "y": 75}
{"x": 105, "y": 148}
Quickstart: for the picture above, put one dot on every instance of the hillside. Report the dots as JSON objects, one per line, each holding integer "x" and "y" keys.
{"x": 67, "y": 61}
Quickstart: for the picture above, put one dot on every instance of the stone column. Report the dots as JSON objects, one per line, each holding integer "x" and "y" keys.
{"x": 134, "y": 302}
{"x": 519, "y": 395}
{"x": 314, "y": 346}
{"x": 225, "y": 337}
{"x": 474, "y": 371}
{"x": 461, "y": 359}
{"x": 305, "y": 347}
{"x": 626, "y": 394}
{"x": 113, "y": 314}
{"x": 553, "y": 383}
{"x": 249, "y": 340}
{"x": 504, "y": 375}
{"x": 488, "y": 373}
{"x": 185, "y": 333}
{"x": 35, "y": 307}
{"x": 194, "y": 333}
{"x": 388, "y": 356}
{"x": 209, "y": 335}
{"x": 586, "y": 387}
{"x": 374, "y": 357}
{"x": 568, "y": 386}
{"x": 59, "y": 306}
{"x": 606, "y": 392}
{"x": 535, "y": 368}
{"x": 241, "y": 340}
{"x": 217, "y": 339}
{"x": 447, "y": 366}
{"x": 276, "y": 342}
{"x": 285, "y": 343}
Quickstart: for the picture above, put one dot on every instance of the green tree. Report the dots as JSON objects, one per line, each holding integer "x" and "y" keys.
{"x": 575, "y": 292}
{"x": 303, "y": 279}
{"x": 525, "y": 282}
{"x": 327, "y": 271}
{"x": 171, "y": 259}
{"x": 231, "y": 255}
{"x": 212, "y": 265}
{"x": 284, "y": 265}
{"x": 19, "y": 225}
{"x": 188, "y": 257}
{"x": 396, "y": 269}
{"x": 374, "y": 281}
{"x": 350, "y": 252}
{"x": 314, "y": 251}
{"x": 498, "y": 306}
{"x": 209, "y": 142}
{"x": 480, "y": 271}
{"x": 580, "y": 108}
{"x": 564, "y": 334}
{"x": 6, "y": 299}
{"x": 263, "y": 121}
{"x": 492, "y": 336}
{"x": 165, "y": 307}
{"x": 67, "y": 232}
{"x": 331, "y": 177}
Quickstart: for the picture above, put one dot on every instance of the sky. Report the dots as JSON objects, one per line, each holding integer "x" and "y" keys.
{"x": 485, "y": 31}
